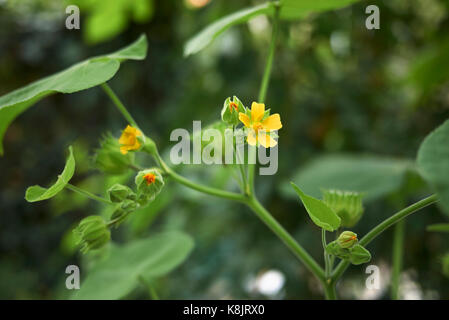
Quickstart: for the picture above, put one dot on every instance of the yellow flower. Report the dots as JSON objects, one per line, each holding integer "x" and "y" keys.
{"x": 149, "y": 178}
{"x": 256, "y": 124}
{"x": 128, "y": 139}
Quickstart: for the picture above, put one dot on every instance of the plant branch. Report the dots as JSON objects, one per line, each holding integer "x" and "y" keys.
{"x": 120, "y": 106}
{"x": 398, "y": 248}
{"x": 340, "y": 269}
{"x": 286, "y": 238}
{"x": 87, "y": 194}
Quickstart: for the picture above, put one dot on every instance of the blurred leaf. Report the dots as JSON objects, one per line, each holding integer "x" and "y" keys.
{"x": 38, "y": 193}
{"x": 433, "y": 162}
{"x": 319, "y": 212}
{"x": 430, "y": 68}
{"x": 81, "y": 76}
{"x": 207, "y": 35}
{"x": 371, "y": 175}
{"x": 439, "y": 227}
{"x": 294, "y": 9}
{"x": 118, "y": 274}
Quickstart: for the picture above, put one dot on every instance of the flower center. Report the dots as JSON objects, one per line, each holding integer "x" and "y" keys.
{"x": 149, "y": 178}
{"x": 257, "y": 126}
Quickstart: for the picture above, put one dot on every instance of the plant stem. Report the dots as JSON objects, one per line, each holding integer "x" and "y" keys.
{"x": 398, "y": 248}
{"x": 326, "y": 256}
{"x": 120, "y": 106}
{"x": 340, "y": 269}
{"x": 329, "y": 291}
{"x": 199, "y": 187}
{"x": 265, "y": 81}
{"x": 288, "y": 240}
{"x": 269, "y": 63}
{"x": 87, "y": 194}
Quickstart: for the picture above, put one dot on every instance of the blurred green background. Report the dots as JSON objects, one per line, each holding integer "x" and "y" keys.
{"x": 339, "y": 88}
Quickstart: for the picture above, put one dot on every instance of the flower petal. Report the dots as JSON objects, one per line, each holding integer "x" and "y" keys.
{"x": 266, "y": 140}
{"x": 252, "y": 140}
{"x": 273, "y": 122}
{"x": 244, "y": 118}
{"x": 257, "y": 111}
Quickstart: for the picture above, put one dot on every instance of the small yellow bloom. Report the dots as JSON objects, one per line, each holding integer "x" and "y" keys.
{"x": 256, "y": 124}
{"x": 128, "y": 139}
{"x": 149, "y": 178}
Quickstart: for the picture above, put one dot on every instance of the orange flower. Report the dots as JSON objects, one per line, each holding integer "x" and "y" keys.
{"x": 149, "y": 178}
{"x": 128, "y": 139}
{"x": 259, "y": 129}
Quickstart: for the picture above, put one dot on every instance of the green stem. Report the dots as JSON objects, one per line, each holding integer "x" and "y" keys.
{"x": 87, "y": 194}
{"x": 329, "y": 291}
{"x": 398, "y": 248}
{"x": 343, "y": 265}
{"x": 286, "y": 238}
{"x": 269, "y": 63}
{"x": 199, "y": 187}
{"x": 120, "y": 106}
{"x": 265, "y": 80}
{"x": 326, "y": 256}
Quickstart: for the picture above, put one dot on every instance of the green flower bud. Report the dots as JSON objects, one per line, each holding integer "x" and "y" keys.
{"x": 347, "y": 239}
{"x": 108, "y": 157}
{"x": 230, "y": 111}
{"x": 119, "y": 193}
{"x": 93, "y": 233}
{"x": 149, "y": 183}
{"x": 122, "y": 212}
{"x": 346, "y": 204}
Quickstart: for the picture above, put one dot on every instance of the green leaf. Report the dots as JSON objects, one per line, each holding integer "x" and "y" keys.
{"x": 439, "y": 227}
{"x": 38, "y": 193}
{"x": 118, "y": 274}
{"x": 294, "y": 9}
{"x": 319, "y": 212}
{"x": 81, "y": 76}
{"x": 371, "y": 175}
{"x": 359, "y": 255}
{"x": 207, "y": 35}
{"x": 433, "y": 162}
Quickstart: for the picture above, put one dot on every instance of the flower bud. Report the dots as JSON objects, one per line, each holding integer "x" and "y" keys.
{"x": 122, "y": 212}
{"x": 149, "y": 183}
{"x": 347, "y": 239}
{"x": 119, "y": 193}
{"x": 93, "y": 233}
{"x": 108, "y": 157}
{"x": 230, "y": 111}
{"x": 346, "y": 204}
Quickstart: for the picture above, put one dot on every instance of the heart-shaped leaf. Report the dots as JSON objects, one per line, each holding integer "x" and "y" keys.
{"x": 433, "y": 162}
{"x": 38, "y": 193}
{"x": 319, "y": 212}
{"x": 81, "y": 76}
{"x": 118, "y": 274}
